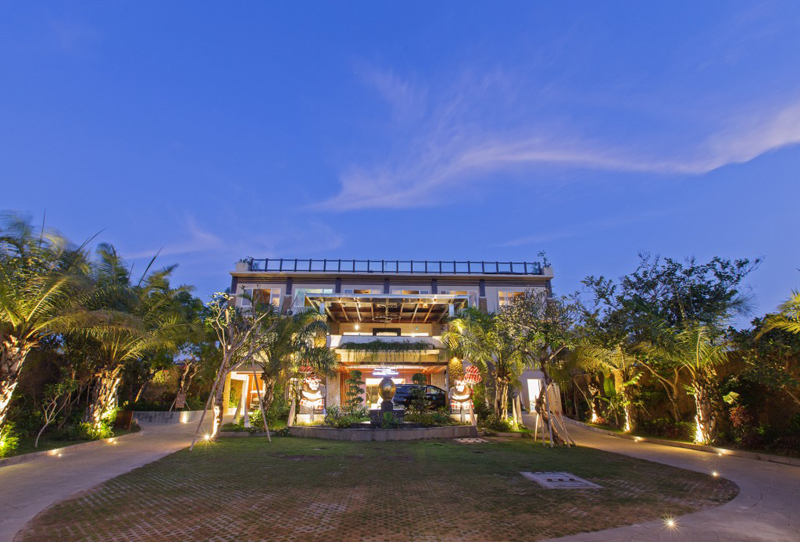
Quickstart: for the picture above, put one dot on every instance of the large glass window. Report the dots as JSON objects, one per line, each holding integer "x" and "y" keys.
{"x": 301, "y": 293}
{"x": 506, "y": 298}
{"x": 261, "y": 296}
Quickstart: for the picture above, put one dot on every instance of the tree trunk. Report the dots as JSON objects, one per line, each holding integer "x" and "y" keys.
{"x": 541, "y": 408}
{"x": 104, "y": 397}
{"x": 219, "y": 406}
{"x": 13, "y": 354}
{"x": 706, "y": 397}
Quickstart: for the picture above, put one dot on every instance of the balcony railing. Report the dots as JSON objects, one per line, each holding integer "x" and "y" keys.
{"x": 394, "y": 267}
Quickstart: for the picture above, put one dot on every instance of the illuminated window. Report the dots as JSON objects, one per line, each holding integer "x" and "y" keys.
{"x": 473, "y": 295}
{"x": 261, "y": 296}
{"x": 506, "y": 298}
{"x": 350, "y": 291}
{"x": 411, "y": 292}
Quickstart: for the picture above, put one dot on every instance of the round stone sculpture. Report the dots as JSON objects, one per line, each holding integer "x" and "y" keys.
{"x": 387, "y": 389}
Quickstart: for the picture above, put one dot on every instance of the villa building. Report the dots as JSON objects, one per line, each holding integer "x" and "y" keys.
{"x": 378, "y": 302}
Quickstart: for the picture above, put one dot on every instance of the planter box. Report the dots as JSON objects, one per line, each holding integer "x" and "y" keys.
{"x": 329, "y": 433}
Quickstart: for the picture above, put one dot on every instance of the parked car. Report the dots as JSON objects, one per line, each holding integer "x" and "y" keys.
{"x": 436, "y": 398}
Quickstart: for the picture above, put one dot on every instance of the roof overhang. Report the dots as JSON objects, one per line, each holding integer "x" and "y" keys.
{"x": 387, "y": 308}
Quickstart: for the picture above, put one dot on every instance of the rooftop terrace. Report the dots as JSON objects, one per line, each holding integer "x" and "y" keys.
{"x": 391, "y": 267}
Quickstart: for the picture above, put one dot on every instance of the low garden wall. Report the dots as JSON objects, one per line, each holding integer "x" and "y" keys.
{"x": 182, "y": 416}
{"x": 421, "y": 433}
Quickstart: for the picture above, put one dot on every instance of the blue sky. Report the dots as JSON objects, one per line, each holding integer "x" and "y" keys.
{"x": 438, "y": 130}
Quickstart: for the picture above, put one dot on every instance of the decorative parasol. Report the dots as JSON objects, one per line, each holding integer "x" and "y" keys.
{"x": 471, "y": 375}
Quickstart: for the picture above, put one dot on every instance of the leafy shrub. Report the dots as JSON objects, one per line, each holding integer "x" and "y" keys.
{"x": 8, "y": 440}
{"x": 667, "y": 428}
{"x": 389, "y": 421}
{"x": 339, "y": 418}
{"x": 494, "y": 422}
{"x": 283, "y": 432}
{"x": 430, "y": 419}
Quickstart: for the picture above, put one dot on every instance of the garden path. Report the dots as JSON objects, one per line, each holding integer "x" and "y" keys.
{"x": 28, "y": 488}
{"x": 766, "y": 508}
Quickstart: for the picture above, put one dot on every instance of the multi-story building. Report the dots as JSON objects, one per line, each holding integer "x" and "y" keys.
{"x": 378, "y": 303}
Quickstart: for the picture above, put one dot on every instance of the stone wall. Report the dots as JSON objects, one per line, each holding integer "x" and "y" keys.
{"x": 333, "y": 393}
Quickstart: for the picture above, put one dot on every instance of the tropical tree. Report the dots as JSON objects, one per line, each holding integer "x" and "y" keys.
{"x": 695, "y": 350}
{"x": 541, "y": 329}
{"x": 140, "y": 321}
{"x": 643, "y": 313}
{"x": 788, "y": 319}
{"x": 486, "y": 342}
{"x": 280, "y": 351}
{"x": 238, "y": 331}
{"x": 40, "y": 277}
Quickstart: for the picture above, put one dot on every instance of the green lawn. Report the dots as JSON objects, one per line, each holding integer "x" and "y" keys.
{"x": 292, "y": 488}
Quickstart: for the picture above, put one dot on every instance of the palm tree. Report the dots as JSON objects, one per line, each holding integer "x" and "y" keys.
{"x": 137, "y": 321}
{"x": 788, "y": 319}
{"x": 39, "y": 277}
{"x": 695, "y": 351}
{"x": 281, "y": 348}
{"x": 483, "y": 341}
{"x": 620, "y": 370}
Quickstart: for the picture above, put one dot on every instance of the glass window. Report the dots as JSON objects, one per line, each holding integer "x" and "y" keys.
{"x": 506, "y": 298}
{"x": 300, "y": 295}
{"x": 261, "y": 296}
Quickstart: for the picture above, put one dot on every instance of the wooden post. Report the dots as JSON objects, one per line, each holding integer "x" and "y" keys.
{"x": 290, "y": 421}
{"x": 261, "y": 406}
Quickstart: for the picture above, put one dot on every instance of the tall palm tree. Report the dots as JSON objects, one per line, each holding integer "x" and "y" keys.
{"x": 39, "y": 277}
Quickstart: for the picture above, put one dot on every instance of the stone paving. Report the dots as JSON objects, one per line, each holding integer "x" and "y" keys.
{"x": 767, "y": 507}
{"x": 28, "y": 488}
{"x": 308, "y": 489}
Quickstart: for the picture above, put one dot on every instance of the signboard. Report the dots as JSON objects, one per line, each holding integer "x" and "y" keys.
{"x": 180, "y": 400}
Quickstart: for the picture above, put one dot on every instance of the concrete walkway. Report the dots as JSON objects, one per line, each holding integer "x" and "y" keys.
{"x": 28, "y": 488}
{"x": 766, "y": 508}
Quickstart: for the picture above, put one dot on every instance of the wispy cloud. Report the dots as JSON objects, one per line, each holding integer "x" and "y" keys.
{"x": 194, "y": 239}
{"x": 579, "y": 230}
{"x": 196, "y": 244}
{"x": 453, "y": 142}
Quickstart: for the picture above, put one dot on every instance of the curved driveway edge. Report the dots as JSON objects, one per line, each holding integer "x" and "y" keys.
{"x": 28, "y": 488}
{"x": 37, "y": 456}
{"x": 767, "y": 507}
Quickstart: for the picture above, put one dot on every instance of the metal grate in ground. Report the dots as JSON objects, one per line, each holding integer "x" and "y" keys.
{"x": 559, "y": 480}
{"x": 469, "y": 440}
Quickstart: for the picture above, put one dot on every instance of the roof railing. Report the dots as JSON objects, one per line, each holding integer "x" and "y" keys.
{"x": 393, "y": 267}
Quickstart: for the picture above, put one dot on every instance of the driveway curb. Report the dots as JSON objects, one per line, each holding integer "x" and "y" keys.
{"x": 35, "y": 456}
{"x": 709, "y": 449}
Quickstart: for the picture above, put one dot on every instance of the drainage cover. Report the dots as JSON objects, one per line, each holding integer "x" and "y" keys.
{"x": 469, "y": 440}
{"x": 559, "y": 480}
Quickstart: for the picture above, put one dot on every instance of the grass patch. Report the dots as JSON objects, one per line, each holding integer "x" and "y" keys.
{"x": 297, "y": 488}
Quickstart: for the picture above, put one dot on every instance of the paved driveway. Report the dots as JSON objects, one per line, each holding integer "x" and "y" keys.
{"x": 29, "y": 488}
{"x": 767, "y": 507}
